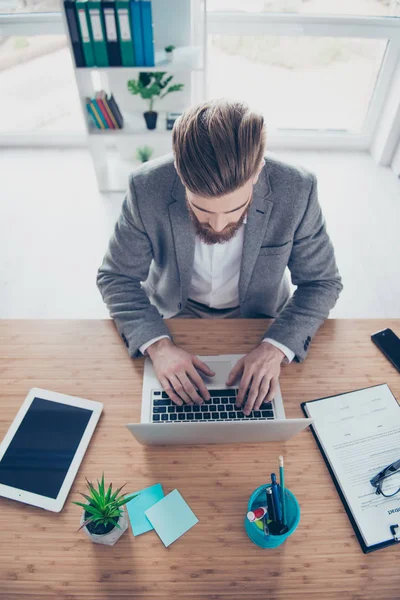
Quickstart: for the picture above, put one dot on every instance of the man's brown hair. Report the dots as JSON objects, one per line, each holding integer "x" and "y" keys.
{"x": 218, "y": 146}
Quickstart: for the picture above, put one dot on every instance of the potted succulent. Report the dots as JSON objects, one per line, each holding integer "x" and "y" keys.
{"x": 104, "y": 517}
{"x": 169, "y": 52}
{"x": 151, "y": 86}
{"x": 144, "y": 153}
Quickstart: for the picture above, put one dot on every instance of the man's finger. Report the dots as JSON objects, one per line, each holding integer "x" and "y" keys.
{"x": 178, "y": 387}
{"x": 236, "y": 371}
{"x": 264, "y": 388}
{"x": 199, "y": 364}
{"x": 272, "y": 389}
{"x": 199, "y": 384}
{"x": 189, "y": 388}
{"x": 253, "y": 394}
{"x": 243, "y": 387}
{"x": 171, "y": 393}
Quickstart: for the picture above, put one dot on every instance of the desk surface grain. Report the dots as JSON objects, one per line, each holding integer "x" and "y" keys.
{"x": 43, "y": 556}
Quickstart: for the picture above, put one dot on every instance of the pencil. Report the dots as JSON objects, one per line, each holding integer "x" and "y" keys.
{"x": 282, "y": 486}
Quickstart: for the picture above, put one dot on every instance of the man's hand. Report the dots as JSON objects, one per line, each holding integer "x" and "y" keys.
{"x": 176, "y": 371}
{"x": 259, "y": 371}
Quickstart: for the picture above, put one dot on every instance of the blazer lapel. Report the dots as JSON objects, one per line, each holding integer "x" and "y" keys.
{"x": 183, "y": 234}
{"x": 257, "y": 221}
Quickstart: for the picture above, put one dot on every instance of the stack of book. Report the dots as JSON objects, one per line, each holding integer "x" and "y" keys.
{"x": 104, "y": 112}
{"x": 111, "y": 33}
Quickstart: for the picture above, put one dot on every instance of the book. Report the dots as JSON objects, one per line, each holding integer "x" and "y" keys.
{"x": 113, "y": 47}
{"x": 124, "y": 32}
{"x": 85, "y": 31}
{"x": 115, "y": 110}
{"x": 104, "y": 112}
{"x": 98, "y": 112}
{"x": 147, "y": 32}
{"x": 98, "y": 33}
{"x": 72, "y": 21}
{"x": 92, "y": 110}
{"x": 358, "y": 434}
{"x": 102, "y": 95}
{"x": 136, "y": 29}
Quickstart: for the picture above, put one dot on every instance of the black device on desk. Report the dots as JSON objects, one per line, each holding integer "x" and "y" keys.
{"x": 388, "y": 343}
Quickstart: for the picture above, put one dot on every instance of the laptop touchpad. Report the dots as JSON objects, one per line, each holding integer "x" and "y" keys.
{"x": 221, "y": 370}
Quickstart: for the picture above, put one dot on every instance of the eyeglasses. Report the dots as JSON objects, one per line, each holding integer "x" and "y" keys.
{"x": 387, "y": 482}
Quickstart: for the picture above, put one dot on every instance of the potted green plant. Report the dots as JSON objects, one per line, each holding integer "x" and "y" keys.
{"x": 104, "y": 517}
{"x": 144, "y": 153}
{"x": 169, "y": 52}
{"x": 152, "y": 86}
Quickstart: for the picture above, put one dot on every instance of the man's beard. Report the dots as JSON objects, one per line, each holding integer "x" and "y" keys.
{"x": 208, "y": 235}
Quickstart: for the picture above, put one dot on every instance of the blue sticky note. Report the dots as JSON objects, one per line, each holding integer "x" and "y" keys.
{"x": 171, "y": 517}
{"x": 137, "y": 507}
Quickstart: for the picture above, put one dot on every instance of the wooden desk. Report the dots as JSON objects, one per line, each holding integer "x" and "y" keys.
{"x": 42, "y": 555}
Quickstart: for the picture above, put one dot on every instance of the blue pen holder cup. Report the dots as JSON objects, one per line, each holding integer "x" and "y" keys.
{"x": 292, "y": 519}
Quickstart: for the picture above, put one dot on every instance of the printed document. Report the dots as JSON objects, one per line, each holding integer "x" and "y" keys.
{"x": 360, "y": 434}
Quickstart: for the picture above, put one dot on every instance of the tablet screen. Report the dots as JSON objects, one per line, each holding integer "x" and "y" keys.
{"x": 43, "y": 447}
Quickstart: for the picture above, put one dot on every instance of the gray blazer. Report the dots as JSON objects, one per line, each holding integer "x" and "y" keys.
{"x": 147, "y": 269}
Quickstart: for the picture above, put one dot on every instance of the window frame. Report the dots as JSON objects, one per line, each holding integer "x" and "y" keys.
{"x": 294, "y": 25}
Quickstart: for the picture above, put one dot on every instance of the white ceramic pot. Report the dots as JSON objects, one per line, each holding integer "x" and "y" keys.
{"x": 109, "y": 539}
{"x": 170, "y": 56}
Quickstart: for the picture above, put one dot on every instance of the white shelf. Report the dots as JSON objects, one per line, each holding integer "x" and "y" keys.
{"x": 186, "y": 58}
{"x": 135, "y": 125}
{"x": 177, "y": 22}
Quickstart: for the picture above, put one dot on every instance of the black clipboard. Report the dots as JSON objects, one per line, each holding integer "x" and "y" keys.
{"x": 366, "y": 549}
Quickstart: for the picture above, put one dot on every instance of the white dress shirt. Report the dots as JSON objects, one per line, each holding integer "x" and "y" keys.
{"x": 215, "y": 279}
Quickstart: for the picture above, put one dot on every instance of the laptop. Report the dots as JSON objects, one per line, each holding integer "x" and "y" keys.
{"x": 217, "y": 421}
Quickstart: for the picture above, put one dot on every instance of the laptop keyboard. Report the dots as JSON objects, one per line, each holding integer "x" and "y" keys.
{"x": 221, "y": 407}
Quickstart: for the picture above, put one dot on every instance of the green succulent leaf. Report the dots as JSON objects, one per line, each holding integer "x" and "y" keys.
{"x": 115, "y": 523}
{"x": 108, "y": 495}
{"x": 101, "y": 487}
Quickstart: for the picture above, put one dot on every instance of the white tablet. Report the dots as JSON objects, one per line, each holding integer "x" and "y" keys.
{"x": 42, "y": 450}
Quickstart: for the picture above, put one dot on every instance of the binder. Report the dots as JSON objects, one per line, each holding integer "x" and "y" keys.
{"x": 85, "y": 31}
{"x": 93, "y": 113}
{"x": 98, "y": 33}
{"x": 101, "y": 104}
{"x": 366, "y": 549}
{"x": 97, "y": 111}
{"x": 124, "y": 32}
{"x": 114, "y": 54}
{"x": 136, "y": 29}
{"x": 72, "y": 21}
{"x": 103, "y": 97}
{"x": 116, "y": 112}
{"x": 147, "y": 32}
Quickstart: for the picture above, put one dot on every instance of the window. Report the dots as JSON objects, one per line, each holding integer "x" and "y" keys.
{"x": 313, "y": 83}
{"x": 319, "y": 70}
{"x": 376, "y": 8}
{"x": 29, "y": 6}
{"x": 38, "y": 89}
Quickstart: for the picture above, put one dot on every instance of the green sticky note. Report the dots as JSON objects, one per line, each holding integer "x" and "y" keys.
{"x": 137, "y": 506}
{"x": 171, "y": 517}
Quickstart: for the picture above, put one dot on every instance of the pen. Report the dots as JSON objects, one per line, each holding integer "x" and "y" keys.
{"x": 270, "y": 505}
{"x": 282, "y": 489}
{"x": 276, "y": 499}
{"x": 273, "y": 526}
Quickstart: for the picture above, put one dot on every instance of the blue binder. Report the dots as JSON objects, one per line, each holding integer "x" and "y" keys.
{"x": 110, "y": 21}
{"x": 72, "y": 21}
{"x": 137, "y": 33}
{"x": 147, "y": 33}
